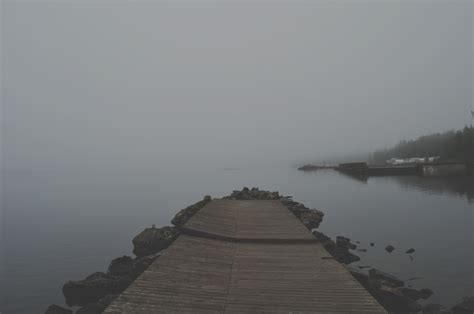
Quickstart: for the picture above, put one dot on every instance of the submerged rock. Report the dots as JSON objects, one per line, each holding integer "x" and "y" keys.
{"x": 184, "y": 214}
{"x": 410, "y": 251}
{"x": 153, "y": 240}
{"x": 389, "y": 248}
{"x": 56, "y": 309}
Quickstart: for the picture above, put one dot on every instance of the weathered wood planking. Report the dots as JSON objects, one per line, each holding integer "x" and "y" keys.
{"x": 203, "y": 275}
{"x": 249, "y": 220}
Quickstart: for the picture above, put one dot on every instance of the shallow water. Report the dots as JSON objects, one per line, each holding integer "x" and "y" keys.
{"x": 63, "y": 224}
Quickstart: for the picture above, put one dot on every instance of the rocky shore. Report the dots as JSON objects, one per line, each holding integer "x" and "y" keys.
{"x": 95, "y": 292}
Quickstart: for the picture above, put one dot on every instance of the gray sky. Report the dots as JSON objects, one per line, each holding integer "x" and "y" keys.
{"x": 230, "y": 83}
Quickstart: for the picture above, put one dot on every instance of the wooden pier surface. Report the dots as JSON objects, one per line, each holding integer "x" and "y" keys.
{"x": 245, "y": 257}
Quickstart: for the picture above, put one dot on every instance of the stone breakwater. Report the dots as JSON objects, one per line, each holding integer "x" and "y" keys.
{"x": 95, "y": 292}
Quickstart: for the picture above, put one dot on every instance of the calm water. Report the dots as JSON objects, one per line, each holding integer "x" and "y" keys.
{"x": 67, "y": 223}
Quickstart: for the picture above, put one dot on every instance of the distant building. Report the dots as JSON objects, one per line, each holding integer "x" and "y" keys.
{"x": 413, "y": 160}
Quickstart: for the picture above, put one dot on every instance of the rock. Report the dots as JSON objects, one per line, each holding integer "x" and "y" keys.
{"x": 394, "y": 301}
{"x": 91, "y": 308}
{"x": 362, "y": 278}
{"x": 339, "y": 251}
{"x": 363, "y": 267}
{"x": 426, "y": 293}
{"x": 410, "y": 251}
{"x": 253, "y": 194}
{"x": 389, "y": 248}
{"x": 342, "y": 255}
{"x": 93, "y": 288}
{"x": 153, "y": 240}
{"x": 97, "y": 307}
{"x": 387, "y": 278}
{"x": 56, "y": 309}
{"x": 311, "y": 219}
{"x": 466, "y": 306}
{"x": 142, "y": 263}
{"x": 183, "y": 215}
{"x": 121, "y": 266}
{"x": 321, "y": 237}
{"x": 435, "y": 309}
{"x": 127, "y": 266}
{"x": 413, "y": 294}
{"x": 372, "y": 244}
{"x": 344, "y": 242}
{"x": 361, "y": 250}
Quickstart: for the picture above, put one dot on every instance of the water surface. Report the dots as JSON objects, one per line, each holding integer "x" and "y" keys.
{"x": 63, "y": 223}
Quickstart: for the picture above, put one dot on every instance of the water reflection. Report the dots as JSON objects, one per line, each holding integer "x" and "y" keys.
{"x": 458, "y": 186}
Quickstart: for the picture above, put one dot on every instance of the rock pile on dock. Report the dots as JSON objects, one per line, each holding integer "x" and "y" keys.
{"x": 184, "y": 214}
{"x": 253, "y": 194}
{"x": 311, "y": 218}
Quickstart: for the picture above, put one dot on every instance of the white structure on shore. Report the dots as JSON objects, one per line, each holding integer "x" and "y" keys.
{"x": 414, "y": 160}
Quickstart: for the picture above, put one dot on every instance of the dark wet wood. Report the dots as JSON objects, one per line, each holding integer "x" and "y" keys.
{"x": 212, "y": 275}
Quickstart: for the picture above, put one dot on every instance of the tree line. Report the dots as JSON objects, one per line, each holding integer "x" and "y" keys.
{"x": 451, "y": 145}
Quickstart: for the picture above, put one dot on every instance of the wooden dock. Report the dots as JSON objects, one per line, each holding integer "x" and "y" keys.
{"x": 245, "y": 257}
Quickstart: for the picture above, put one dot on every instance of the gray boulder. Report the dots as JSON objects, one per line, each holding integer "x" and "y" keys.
{"x": 121, "y": 266}
{"x": 152, "y": 240}
{"x": 56, "y": 309}
{"x": 97, "y": 307}
{"x": 93, "y": 288}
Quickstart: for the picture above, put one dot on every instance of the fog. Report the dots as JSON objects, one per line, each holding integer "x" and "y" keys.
{"x": 115, "y": 114}
{"x": 229, "y": 83}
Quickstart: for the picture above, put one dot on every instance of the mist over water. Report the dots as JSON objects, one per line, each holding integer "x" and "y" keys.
{"x": 116, "y": 115}
{"x": 105, "y": 85}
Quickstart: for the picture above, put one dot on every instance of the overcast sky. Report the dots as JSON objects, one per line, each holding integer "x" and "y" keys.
{"x": 230, "y": 82}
